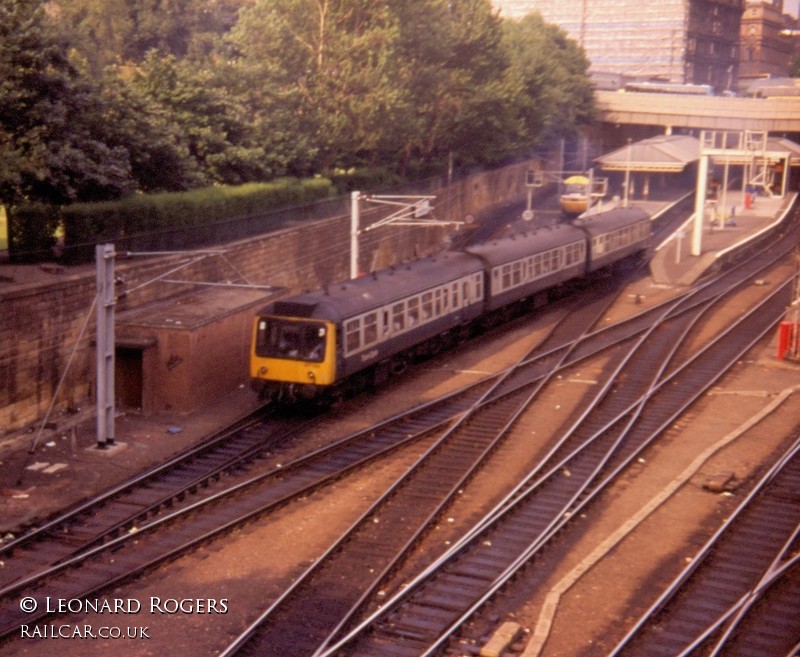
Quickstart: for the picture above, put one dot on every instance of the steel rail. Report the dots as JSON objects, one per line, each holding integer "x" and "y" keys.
{"x": 61, "y": 525}
{"x": 323, "y": 645}
{"x": 772, "y": 573}
{"x": 244, "y": 642}
{"x": 387, "y": 605}
{"x": 115, "y": 543}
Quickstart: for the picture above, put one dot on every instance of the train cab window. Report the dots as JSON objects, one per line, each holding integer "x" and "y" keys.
{"x": 599, "y": 245}
{"x": 352, "y": 333}
{"x": 370, "y": 328}
{"x": 292, "y": 340}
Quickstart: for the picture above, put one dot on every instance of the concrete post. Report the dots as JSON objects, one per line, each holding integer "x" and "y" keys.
{"x": 700, "y": 206}
{"x": 354, "y": 230}
{"x": 104, "y": 258}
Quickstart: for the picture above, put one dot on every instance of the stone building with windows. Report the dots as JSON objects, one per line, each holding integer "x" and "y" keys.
{"x": 770, "y": 40}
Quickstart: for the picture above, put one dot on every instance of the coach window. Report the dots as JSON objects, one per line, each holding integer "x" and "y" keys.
{"x": 456, "y": 304}
{"x": 413, "y": 311}
{"x": 352, "y": 335}
{"x": 517, "y": 273}
{"x": 599, "y": 247}
{"x": 427, "y": 306}
{"x": 398, "y": 317}
{"x": 478, "y": 287}
{"x": 370, "y": 328}
{"x": 506, "y": 277}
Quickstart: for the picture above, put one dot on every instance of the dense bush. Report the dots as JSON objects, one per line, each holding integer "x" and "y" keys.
{"x": 364, "y": 179}
{"x": 34, "y": 228}
{"x": 32, "y": 232}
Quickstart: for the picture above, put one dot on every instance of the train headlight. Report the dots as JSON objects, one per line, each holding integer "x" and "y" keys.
{"x": 312, "y": 377}
{"x": 262, "y": 371}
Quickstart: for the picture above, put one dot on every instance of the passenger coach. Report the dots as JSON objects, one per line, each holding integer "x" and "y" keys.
{"x": 523, "y": 265}
{"x": 358, "y": 332}
{"x": 615, "y": 235}
{"x": 326, "y": 336}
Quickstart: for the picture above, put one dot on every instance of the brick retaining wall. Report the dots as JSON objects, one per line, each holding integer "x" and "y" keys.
{"x": 41, "y": 324}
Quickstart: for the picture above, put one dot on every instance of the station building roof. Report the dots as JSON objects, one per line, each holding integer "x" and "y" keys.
{"x": 664, "y": 154}
{"x": 671, "y": 153}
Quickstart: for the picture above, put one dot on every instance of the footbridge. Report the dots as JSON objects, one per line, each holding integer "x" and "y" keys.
{"x": 771, "y": 115}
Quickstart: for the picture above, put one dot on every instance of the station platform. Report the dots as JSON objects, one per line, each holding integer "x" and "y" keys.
{"x": 672, "y": 262}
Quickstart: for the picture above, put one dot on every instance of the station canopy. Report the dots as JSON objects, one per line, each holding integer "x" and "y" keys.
{"x": 776, "y": 149}
{"x": 671, "y": 153}
{"x": 664, "y": 153}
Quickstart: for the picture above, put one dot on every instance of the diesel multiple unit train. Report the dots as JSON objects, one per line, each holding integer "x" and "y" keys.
{"x": 356, "y": 333}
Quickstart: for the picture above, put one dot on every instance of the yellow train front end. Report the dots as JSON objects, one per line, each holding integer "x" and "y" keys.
{"x": 292, "y": 358}
{"x": 576, "y": 196}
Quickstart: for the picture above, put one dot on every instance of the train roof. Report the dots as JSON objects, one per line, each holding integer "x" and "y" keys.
{"x": 522, "y": 245}
{"x": 349, "y": 298}
{"x": 577, "y": 180}
{"x": 602, "y": 222}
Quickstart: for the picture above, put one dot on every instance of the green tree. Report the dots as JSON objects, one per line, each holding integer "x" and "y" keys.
{"x": 794, "y": 67}
{"x": 548, "y": 78}
{"x": 108, "y": 32}
{"x": 52, "y": 131}
{"x": 328, "y": 63}
{"x": 451, "y": 66}
{"x": 216, "y": 127}
{"x": 158, "y": 151}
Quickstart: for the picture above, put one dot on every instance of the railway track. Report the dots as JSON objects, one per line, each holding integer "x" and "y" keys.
{"x": 98, "y": 564}
{"x": 119, "y": 509}
{"x": 740, "y": 595}
{"x": 144, "y": 497}
{"x": 85, "y": 569}
{"x": 367, "y": 554}
{"x": 420, "y": 619}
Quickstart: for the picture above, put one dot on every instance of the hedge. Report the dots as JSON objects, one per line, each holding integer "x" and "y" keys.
{"x": 34, "y": 227}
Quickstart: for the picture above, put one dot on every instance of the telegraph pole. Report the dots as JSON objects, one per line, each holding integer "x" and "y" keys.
{"x": 104, "y": 259}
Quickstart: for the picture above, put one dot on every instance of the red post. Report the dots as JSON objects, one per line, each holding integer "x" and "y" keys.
{"x": 787, "y": 338}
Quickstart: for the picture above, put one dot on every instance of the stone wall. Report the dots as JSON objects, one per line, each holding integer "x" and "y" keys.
{"x": 47, "y": 355}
